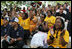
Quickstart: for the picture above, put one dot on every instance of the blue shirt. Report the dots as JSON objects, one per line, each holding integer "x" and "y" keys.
{"x": 5, "y": 30}
{"x": 16, "y": 33}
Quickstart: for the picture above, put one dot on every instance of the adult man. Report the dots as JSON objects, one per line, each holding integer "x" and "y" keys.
{"x": 60, "y": 13}
{"x": 15, "y": 36}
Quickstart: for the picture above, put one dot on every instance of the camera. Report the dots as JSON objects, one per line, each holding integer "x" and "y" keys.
{"x": 8, "y": 39}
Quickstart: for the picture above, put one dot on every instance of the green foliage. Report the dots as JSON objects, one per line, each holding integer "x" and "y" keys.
{"x": 9, "y": 4}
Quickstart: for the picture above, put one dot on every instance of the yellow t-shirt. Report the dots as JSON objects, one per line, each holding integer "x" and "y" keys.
{"x": 50, "y": 20}
{"x": 56, "y": 42}
{"x": 24, "y": 23}
{"x": 32, "y": 24}
{"x": 1, "y": 22}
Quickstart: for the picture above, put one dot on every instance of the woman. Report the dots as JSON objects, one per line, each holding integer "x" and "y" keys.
{"x": 60, "y": 37}
{"x": 50, "y": 20}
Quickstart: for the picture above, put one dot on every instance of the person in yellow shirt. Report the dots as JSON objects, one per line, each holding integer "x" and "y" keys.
{"x": 50, "y": 19}
{"x": 33, "y": 22}
{"x": 24, "y": 21}
{"x": 58, "y": 37}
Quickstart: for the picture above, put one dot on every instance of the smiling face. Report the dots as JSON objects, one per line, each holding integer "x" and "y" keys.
{"x": 58, "y": 24}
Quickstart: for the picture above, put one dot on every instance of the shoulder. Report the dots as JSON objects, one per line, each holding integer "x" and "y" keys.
{"x": 66, "y": 31}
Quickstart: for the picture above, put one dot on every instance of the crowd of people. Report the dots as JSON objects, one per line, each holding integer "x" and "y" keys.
{"x": 36, "y": 27}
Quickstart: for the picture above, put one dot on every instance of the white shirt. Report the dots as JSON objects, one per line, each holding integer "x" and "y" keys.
{"x": 39, "y": 39}
{"x": 68, "y": 7}
{"x": 63, "y": 11}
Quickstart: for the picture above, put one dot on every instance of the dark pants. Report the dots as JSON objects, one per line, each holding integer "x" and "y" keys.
{"x": 18, "y": 44}
{"x": 26, "y": 36}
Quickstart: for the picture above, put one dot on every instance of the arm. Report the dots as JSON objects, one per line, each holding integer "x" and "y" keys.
{"x": 18, "y": 39}
{"x": 50, "y": 41}
{"x": 50, "y": 38}
{"x": 65, "y": 38}
{"x": 63, "y": 42}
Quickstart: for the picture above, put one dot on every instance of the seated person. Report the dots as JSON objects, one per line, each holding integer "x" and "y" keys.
{"x": 58, "y": 37}
{"x": 15, "y": 36}
{"x": 39, "y": 39}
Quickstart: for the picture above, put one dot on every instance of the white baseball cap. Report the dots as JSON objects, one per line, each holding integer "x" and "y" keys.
{"x": 16, "y": 20}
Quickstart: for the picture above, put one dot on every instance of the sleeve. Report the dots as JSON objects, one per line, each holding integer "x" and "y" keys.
{"x": 66, "y": 36}
{"x": 45, "y": 39}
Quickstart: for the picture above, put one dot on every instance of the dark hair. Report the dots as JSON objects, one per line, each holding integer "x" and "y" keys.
{"x": 26, "y": 15}
{"x": 40, "y": 28}
{"x": 50, "y": 11}
{"x": 63, "y": 25}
